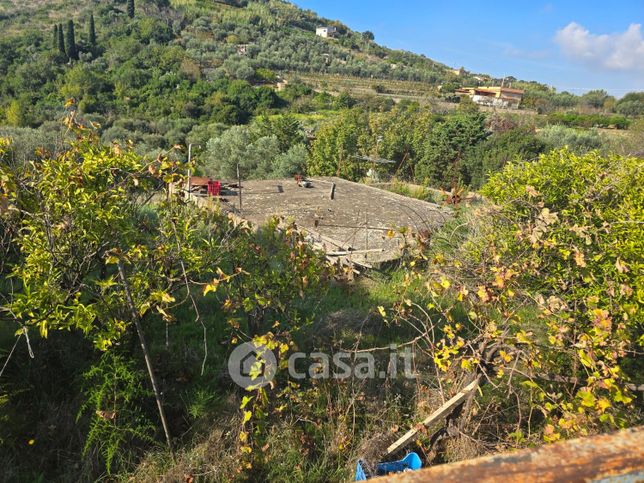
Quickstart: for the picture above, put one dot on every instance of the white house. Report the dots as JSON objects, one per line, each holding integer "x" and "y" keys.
{"x": 326, "y": 32}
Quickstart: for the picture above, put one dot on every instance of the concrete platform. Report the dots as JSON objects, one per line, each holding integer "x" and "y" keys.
{"x": 358, "y": 219}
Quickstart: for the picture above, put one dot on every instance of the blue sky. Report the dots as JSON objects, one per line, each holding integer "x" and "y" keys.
{"x": 572, "y": 45}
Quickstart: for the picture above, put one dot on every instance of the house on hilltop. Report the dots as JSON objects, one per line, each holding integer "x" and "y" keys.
{"x": 505, "y": 97}
{"x": 326, "y": 32}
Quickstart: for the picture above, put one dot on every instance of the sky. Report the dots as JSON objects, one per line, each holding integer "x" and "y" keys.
{"x": 572, "y": 45}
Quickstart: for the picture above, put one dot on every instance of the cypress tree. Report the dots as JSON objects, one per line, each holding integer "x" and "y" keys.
{"x": 92, "y": 31}
{"x": 61, "y": 40}
{"x": 130, "y": 8}
{"x": 71, "y": 41}
{"x": 54, "y": 45}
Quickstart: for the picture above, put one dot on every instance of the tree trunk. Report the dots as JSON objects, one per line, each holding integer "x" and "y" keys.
{"x": 146, "y": 355}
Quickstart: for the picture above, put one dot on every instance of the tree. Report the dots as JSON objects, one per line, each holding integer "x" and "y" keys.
{"x": 15, "y": 114}
{"x": 72, "y": 53}
{"x": 632, "y": 104}
{"x": 368, "y": 35}
{"x": 336, "y": 144}
{"x": 286, "y": 128}
{"x": 546, "y": 283}
{"x": 491, "y": 155}
{"x": 61, "y": 40}
{"x": 237, "y": 147}
{"x": 89, "y": 261}
{"x": 446, "y": 146}
{"x": 595, "y": 98}
{"x": 130, "y": 8}
{"x": 291, "y": 162}
{"x": 92, "y": 31}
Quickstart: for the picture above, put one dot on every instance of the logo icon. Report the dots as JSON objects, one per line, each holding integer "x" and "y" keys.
{"x": 252, "y": 365}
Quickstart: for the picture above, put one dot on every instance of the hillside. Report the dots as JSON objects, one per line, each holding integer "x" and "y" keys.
{"x": 280, "y": 35}
{"x": 178, "y": 70}
{"x": 174, "y": 59}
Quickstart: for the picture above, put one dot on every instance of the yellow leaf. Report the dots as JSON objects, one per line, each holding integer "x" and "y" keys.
{"x": 522, "y": 337}
{"x": 211, "y": 287}
{"x": 585, "y": 358}
{"x": 587, "y": 398}
{"x": 603, "y": 404}
{"x": 498, "y": 281}
{"x": 482, "y": 293}
{"x": 247, "y": 416}
{"x": 445, "y": 283}
{"x": 505, "y": 356}
{"x": 381, "y": 309}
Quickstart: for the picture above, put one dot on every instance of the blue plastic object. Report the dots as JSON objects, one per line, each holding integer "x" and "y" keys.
{"x": 360, "y": 473}
{"x": 411, "y": 462}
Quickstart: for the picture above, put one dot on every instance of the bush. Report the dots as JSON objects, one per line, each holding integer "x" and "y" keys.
{"x": 632, "y": 104}
{"x": 496, "y": 151}
{"x": 568, "y": 241}
{"x": 446, "y": 145}
{"x": 588, "y": 120}
{"x": 578, "y": 140}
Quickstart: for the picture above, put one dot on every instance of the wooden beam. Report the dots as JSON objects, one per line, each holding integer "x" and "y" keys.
{"x": 608, "y": 457}
{"x": 436, "y": 415}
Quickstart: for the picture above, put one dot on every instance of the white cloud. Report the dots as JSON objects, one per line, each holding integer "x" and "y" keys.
{"x": 618, "y": 51}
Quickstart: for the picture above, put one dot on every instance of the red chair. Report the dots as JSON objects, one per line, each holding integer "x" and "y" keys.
{"x": 214, "y": 188}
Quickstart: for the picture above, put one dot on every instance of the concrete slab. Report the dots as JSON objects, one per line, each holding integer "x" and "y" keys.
{"x": 358, "y": 217}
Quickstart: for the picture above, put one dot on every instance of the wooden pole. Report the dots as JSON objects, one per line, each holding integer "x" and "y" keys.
{"x": 239, "y": 187}
{"x": 146, "y": 354}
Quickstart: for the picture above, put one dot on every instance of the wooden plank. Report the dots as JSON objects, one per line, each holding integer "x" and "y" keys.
{"x": 439, "y": 413}
{"x": 609, "y": 457}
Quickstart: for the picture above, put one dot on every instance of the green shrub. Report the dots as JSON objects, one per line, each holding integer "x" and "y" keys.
{"x": 578, "y": 140}
{"x": 588, "y": 120}
{"x": 114, "y": 391}
{"x": 495, "y": 152}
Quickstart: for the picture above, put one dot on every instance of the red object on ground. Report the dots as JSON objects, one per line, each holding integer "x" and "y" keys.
{"x": 214, "y": 188}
